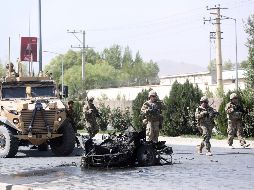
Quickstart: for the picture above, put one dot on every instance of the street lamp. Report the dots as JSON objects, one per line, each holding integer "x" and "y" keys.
{"x": 236, "y": 65}
{"x": 62, "y": 68}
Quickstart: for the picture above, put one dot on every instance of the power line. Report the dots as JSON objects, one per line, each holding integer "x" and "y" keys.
{"x": 82, "y": 47}
{"x": 216, "y": 12}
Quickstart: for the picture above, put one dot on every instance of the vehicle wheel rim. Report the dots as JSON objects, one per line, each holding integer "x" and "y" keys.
{"x": 2, "y": 141}
{"x": 147, "y": 156}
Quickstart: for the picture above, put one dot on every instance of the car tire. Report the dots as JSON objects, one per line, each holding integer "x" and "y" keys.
{"x": 146, "y": 155}
{"x": 64, "y": 145}
{"x": 43, "y": 147}
{"x": 9, "y": 144}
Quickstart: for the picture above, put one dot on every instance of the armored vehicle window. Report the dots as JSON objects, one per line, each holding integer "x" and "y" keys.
{"x": 14, "y": 92}
{"x": 48, "y": 91}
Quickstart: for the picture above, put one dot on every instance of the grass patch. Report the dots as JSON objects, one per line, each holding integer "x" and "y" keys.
{"x": 219, "y": 137}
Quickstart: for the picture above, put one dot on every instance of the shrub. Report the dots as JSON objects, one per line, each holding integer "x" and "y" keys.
{"x": 103, "y": 121}
{"x": 136, "y": 107}
{"x": 181, "y": 104}
{"x": 120, "y": 120}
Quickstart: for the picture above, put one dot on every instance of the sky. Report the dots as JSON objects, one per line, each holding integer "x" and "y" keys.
{"x": 158, "y": 29}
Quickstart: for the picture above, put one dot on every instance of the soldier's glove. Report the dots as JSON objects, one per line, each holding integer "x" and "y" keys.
{"x": 90, "y": 111}
{"x": 204, "y": 113}
{"x": 230, "y": 110}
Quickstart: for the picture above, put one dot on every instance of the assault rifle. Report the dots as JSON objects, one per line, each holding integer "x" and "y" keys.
{"x": 153, "y": 110}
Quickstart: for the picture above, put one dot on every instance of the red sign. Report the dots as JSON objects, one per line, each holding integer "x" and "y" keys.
{"x": 28, "y": 49}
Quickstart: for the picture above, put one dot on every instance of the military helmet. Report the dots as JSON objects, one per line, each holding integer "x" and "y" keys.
{"x": 7, "y": 66}
{"x": 70, "y": 102}
{"x": 90, "y": 99}
{"x": 233, "y": 95}
{"x": 204, "y": 99}
{"x": 152, "y": 93}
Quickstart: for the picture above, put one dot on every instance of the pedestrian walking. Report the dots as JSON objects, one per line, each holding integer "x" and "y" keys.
{"x": 205, "y": 115}
{"x": 235, "y": 112}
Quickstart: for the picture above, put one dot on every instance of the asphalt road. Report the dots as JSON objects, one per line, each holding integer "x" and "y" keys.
{"x": 226, "y": 169}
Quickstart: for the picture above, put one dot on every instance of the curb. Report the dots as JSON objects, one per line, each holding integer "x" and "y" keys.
{"x": 6, "y": 186}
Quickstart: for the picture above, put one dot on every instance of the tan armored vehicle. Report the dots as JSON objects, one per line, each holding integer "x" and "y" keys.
{"x": 31, "y": 113}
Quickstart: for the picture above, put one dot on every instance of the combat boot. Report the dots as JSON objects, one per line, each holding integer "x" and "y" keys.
{"x": 199, "y": 149}
{"x": 245, "y": 145}
{"x": 209, "y": 153}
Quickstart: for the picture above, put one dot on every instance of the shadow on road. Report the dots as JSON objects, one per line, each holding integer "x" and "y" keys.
{"x": 36, "y": 153}
{"x": 234, "y": 153}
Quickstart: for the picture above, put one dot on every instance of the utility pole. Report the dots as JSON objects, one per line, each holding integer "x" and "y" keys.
{"x": 40, "y": 47}
{"x": 218, "y": 38}
{"x": 83, "y": 47}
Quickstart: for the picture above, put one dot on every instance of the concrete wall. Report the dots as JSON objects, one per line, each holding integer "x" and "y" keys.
{"x": 130, "y": 93}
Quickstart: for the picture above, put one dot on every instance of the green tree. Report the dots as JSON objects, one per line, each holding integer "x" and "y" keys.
{"x": 179, "y": 115}
{"x": 101, "y": 75}
{"x": 151, "y": 70}
{"x": 250, "y": 44}
{"x": 212, "y": 66}
{"x": 228, "y": 65}
{"x": 127, "y": 61}
{"x": 243, "y": 64}
{"x": 108, "y": 70}
{"x": 138, "y": 70}
{"x": 113, "y": 56}
{"x": 70, "y": 59}
{"x": 92, "y": 56}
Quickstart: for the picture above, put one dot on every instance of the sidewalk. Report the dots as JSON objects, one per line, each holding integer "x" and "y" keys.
{"x": 195, "y": 141}
{"x": 186, "y": 141}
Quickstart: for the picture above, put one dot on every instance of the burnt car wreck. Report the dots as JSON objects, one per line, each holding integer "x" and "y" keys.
{"x": 125, "y": 150}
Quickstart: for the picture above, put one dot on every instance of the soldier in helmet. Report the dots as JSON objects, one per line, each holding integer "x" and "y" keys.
{"x": 152, "y": 110}
{"x": 205, "y": 117}
{"x": 235, "y": 113}
{"x": 91, "y": 113}
{"x": 10, "y": 70}
{"x": 70, "y": 114}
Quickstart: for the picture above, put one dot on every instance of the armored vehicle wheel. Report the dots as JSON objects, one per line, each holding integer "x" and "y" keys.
{"x": 9, "y": 144}
{"x": 146, "y": 155}
{"x": 43, "y": 147}
{"x": 64, "y": 145}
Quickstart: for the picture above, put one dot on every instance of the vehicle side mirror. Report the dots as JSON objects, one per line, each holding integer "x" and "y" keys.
{"x": 65, "y": 91}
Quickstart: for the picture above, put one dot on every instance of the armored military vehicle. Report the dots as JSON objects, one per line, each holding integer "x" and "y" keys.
{"x": 32, "y": 113}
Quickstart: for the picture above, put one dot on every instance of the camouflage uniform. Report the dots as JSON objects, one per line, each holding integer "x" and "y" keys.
{"x": 205, "y": 117}
{"x": 70, "y": 114}
{"x": 10, "y": 70}
{"x": 235, "y": 113}
{"x": 151, "y": 110}
{"x": 90, "y": 113}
